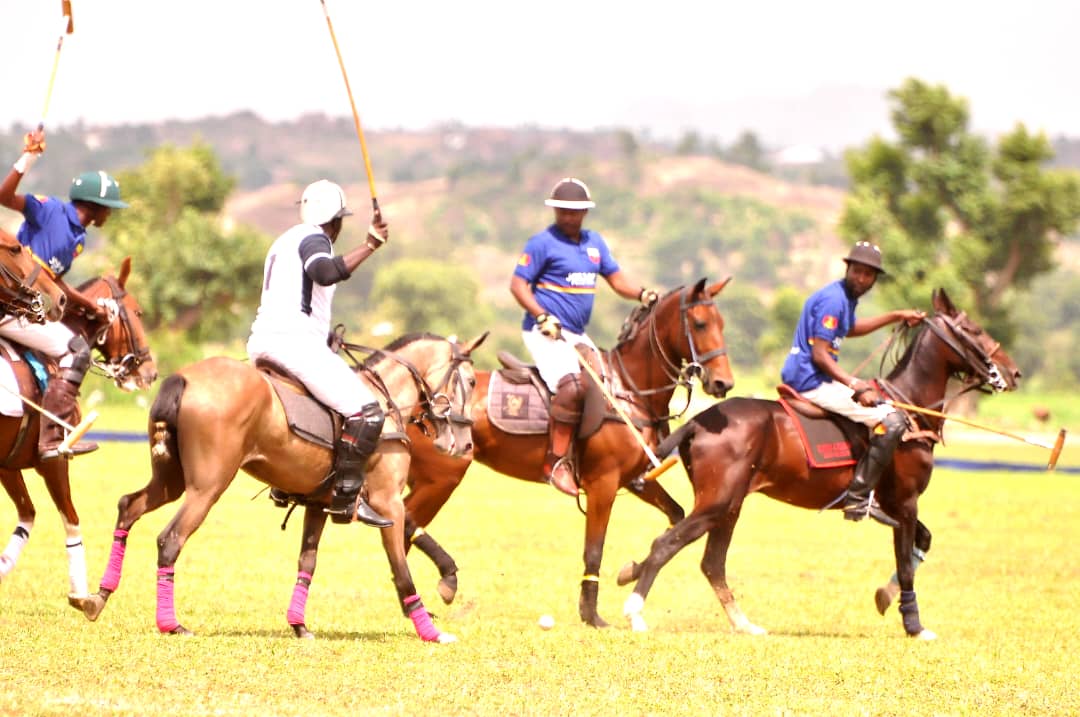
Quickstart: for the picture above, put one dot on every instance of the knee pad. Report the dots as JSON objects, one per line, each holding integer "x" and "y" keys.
{"x": 365, "y": 427}
{"x": 568, "y": 400}
{"x": 79, "y": 351}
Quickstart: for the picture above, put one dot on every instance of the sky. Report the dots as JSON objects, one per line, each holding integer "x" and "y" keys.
{"x": 794, "y": 72}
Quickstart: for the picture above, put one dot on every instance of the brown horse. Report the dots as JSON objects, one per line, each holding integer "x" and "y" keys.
{"x": 26, "y": 289}
{"x": 117, "y": 335}
{"x": 744, "y": 445}
{"x": 220, "y": 415}
{"x": 679, "y": 337}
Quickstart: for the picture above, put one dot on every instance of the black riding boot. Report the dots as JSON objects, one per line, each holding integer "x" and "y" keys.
{"x": 59, "y": 400}
{"x": 859, "y": 501}
{"x": 359, "y": 437}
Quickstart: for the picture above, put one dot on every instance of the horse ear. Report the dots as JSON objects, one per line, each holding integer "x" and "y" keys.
{"x": 125, "y": 271}
{"x": 942, "y": 303}
{"x": 472, "y": 345}
{"x": 718, "y": 287}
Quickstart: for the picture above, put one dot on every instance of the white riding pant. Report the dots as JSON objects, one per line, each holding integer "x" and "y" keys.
{"x": 51, "y": 338}
{"x": 325, "y": 374}
{"x": 838, "y": 398}
{"x": 554, "y": 359}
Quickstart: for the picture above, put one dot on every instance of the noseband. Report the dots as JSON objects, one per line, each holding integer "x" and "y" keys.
{"x": 984, "y": 371}
{"x": 120, "y": 367}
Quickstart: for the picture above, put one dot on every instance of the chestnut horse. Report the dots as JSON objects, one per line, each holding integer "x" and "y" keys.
{"x": 221, "y": 415}
{"x": 117, "y": 335}
{"x": 744, "y": 445}
{"x": 661, "y": 348}
{"x": 26, "y": 290}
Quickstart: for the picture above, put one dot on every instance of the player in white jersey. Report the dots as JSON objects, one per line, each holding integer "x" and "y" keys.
{"x": 292, "y": 326}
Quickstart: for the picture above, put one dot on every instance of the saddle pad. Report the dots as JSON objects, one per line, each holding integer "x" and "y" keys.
{"x": 826, "y": 444}
{"x": 516, "y": 408}
{"x": 10, "y": 404}
{"x": 307, "y": 418}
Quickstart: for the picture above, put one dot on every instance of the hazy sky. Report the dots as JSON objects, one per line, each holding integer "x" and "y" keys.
{"x": 709, "y": 65}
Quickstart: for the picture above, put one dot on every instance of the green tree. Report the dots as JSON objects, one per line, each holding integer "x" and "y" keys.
{"x": 949, "y": 210}
{"x": 428, "y": 295}
{"x": 748, "y": 151}
{"x": 193, "y": 272}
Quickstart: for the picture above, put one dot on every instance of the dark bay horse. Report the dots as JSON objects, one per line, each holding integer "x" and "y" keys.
{"x": 220, "y": 415}
{"x": 26, "y": 289}
{"x": 117, "y": 335}
{"x": 679, "y": 337}
{"x": 744, "y": 445}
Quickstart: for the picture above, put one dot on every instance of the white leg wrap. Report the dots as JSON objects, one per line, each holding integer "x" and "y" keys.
{"x": 14, "y": 548}
{"x": 77, "y": 569}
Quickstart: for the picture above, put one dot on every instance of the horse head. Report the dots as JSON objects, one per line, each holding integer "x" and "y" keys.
{"x": 26, "y": 289}
{"x": 687, "y": 331}
{"x": 975, "y": 353}
{"x": 117, "y": 331}
{"x": 444, "y": 377}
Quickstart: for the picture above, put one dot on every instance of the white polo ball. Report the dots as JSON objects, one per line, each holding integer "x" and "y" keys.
{"x": 546, "y": 622}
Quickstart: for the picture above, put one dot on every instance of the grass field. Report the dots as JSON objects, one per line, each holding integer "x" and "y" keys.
{"x": 999, "y": 588}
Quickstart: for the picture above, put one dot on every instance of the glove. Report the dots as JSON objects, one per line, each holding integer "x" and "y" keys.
{"x": 336, "y": 338}
{"x": 377, "y": 234}
{"x": 550, "y": 326}
{"x": 648, "y": 297}
{"x": 34, "y": 142}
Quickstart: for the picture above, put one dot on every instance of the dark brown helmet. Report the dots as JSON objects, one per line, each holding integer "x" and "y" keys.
{"x": 570, "y": 193}
{"x": 866, "y": 253}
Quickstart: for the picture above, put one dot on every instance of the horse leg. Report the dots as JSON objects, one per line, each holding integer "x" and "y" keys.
{"x": 314, "y": 522}
{"x": 166, "y": 485}
{"x": 56, "y": 477}
{"x": 888, "y": 592}
{"x": 714, "y": 566}
{"x": 654, "y": 494}
{"x": 903, "y": 547}
{"x": 601, "y": 496}
{"x": 415, "y": 535}
{"x": 663, "y": 549}
{"x": 24, "y": 507}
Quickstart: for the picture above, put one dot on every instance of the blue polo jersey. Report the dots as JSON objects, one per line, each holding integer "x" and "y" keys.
{"x": 52, "y": 231}
{"x": 563, "y": 274}
{"x": 828, "y": 315}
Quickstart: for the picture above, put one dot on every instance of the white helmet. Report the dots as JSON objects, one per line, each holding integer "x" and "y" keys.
{"x": 570, "y": 193}
{"x": 322, "y": 202}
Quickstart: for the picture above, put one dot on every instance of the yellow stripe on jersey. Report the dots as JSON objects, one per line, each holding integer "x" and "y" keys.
{"x": 567, "y": 289}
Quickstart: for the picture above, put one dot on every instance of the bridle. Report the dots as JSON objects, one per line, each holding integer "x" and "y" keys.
{"x": 119, "y": 367}
{"x": 18, "y": 297}
{"x": 678, "y": 374}
{"x": 984, "y": 372}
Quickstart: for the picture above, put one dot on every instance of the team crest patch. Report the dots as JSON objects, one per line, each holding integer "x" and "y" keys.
{"x": 829, "y": 322}
{"x": 524, "y": 260}
{"x": 593, "y": 254}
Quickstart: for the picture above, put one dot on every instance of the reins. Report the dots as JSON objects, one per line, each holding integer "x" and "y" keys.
{"x": 118, "y": 368}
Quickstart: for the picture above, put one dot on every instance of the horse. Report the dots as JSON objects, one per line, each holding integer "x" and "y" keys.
{"x": 26, "y": 289}
{"x": 222, "y": 415}
{"x": 117, "y": 335}
{"x": 746, "y": 445}
{"x": 660, "y": 348}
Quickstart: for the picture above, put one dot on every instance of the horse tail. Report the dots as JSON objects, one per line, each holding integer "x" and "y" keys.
{"x": 163, "y": 414}
{"x": 674, "y": 440}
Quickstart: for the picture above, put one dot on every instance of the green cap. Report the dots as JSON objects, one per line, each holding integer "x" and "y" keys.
{"x": 97, "y": 187}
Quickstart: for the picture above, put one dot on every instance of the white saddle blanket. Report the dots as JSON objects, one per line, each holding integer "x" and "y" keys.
{"x": 10, "y": 403}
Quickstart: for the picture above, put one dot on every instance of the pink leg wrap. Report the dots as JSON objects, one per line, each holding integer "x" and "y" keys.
{"x": 421, "y": 620}
{"x": 166, "y": 611}
{"x": 298, "y": 603}
{"x": 111, "y": 579}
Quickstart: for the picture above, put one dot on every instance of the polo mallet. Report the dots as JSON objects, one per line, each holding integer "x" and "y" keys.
{"x": 74, "y": 432}
{"x": 66, "y": 29}
{"x": 658, "y": 466}
{"x": 1055, "y": 450}
{"x": 355, "y": 114}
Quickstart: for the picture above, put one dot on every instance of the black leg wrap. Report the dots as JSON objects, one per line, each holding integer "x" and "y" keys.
{"x": 909, "y": 609}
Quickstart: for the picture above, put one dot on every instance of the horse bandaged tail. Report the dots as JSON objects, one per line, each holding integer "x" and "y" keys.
{"x": 827, "y": 443}
{"x": 517, "y": 408}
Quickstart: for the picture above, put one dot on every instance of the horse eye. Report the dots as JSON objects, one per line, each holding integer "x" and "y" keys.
{"x": 700, "y": 325}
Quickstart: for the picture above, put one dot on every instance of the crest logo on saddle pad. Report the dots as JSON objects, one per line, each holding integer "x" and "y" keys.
{"x": 513, "y": 405}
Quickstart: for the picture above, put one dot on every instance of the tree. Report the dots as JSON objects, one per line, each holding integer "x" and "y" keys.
{"x": 193, "y": 272}
{"x": 429, "y": 295}
{"x": 949, "y": 210}
{"x": 748, "y": 152}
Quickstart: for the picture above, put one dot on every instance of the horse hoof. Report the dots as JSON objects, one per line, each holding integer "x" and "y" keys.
{"x": 445, "y": 638}
{"x": 884, "y": 597}
{"x": 180, "y": 630}
{"x": 302, "y": 632}
{"x": 628, "y": 574}
{"x": 448, "y": 589}
{"x": 752, "y": 629}
{"x": 598, "y": 622}
{"x": 637, "y": 622}
{"x": 92, "y": 606}
{"x": 78, "y": 602}
{"x": 925, "y": 635}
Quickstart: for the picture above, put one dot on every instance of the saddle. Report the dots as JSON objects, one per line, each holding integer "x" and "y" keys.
{"x": 307, "y": 418}
{"x": 830, "y": 440}
{"x": 23, "y": 372}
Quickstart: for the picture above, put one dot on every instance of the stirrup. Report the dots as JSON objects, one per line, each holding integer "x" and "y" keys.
{"x": 279, "y": 497}
{"x": 868, "y": 506}
{"x": 561, "y": 486}
{"x": 77, "y": 449}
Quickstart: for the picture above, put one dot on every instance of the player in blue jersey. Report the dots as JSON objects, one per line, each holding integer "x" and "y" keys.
{"x": 55, "y": 233}
{"x": 812, "y": 368}
{"x": 555, "y": 282}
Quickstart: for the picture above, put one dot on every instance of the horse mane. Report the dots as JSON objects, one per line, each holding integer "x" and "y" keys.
{"x": 901, "y": 349}
{"x": 399, "y": 343}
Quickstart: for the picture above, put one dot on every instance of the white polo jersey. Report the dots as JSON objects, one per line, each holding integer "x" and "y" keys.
{"x": 291, "y": 302}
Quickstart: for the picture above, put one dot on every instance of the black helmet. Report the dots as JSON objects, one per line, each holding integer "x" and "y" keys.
{"x": 866, "y": 253}
{"x": 570, "y": 193}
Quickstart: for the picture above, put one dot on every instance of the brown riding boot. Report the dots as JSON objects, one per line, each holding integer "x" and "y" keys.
{"x": 566, "y": 407}
{"x": 59, "y": 400}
